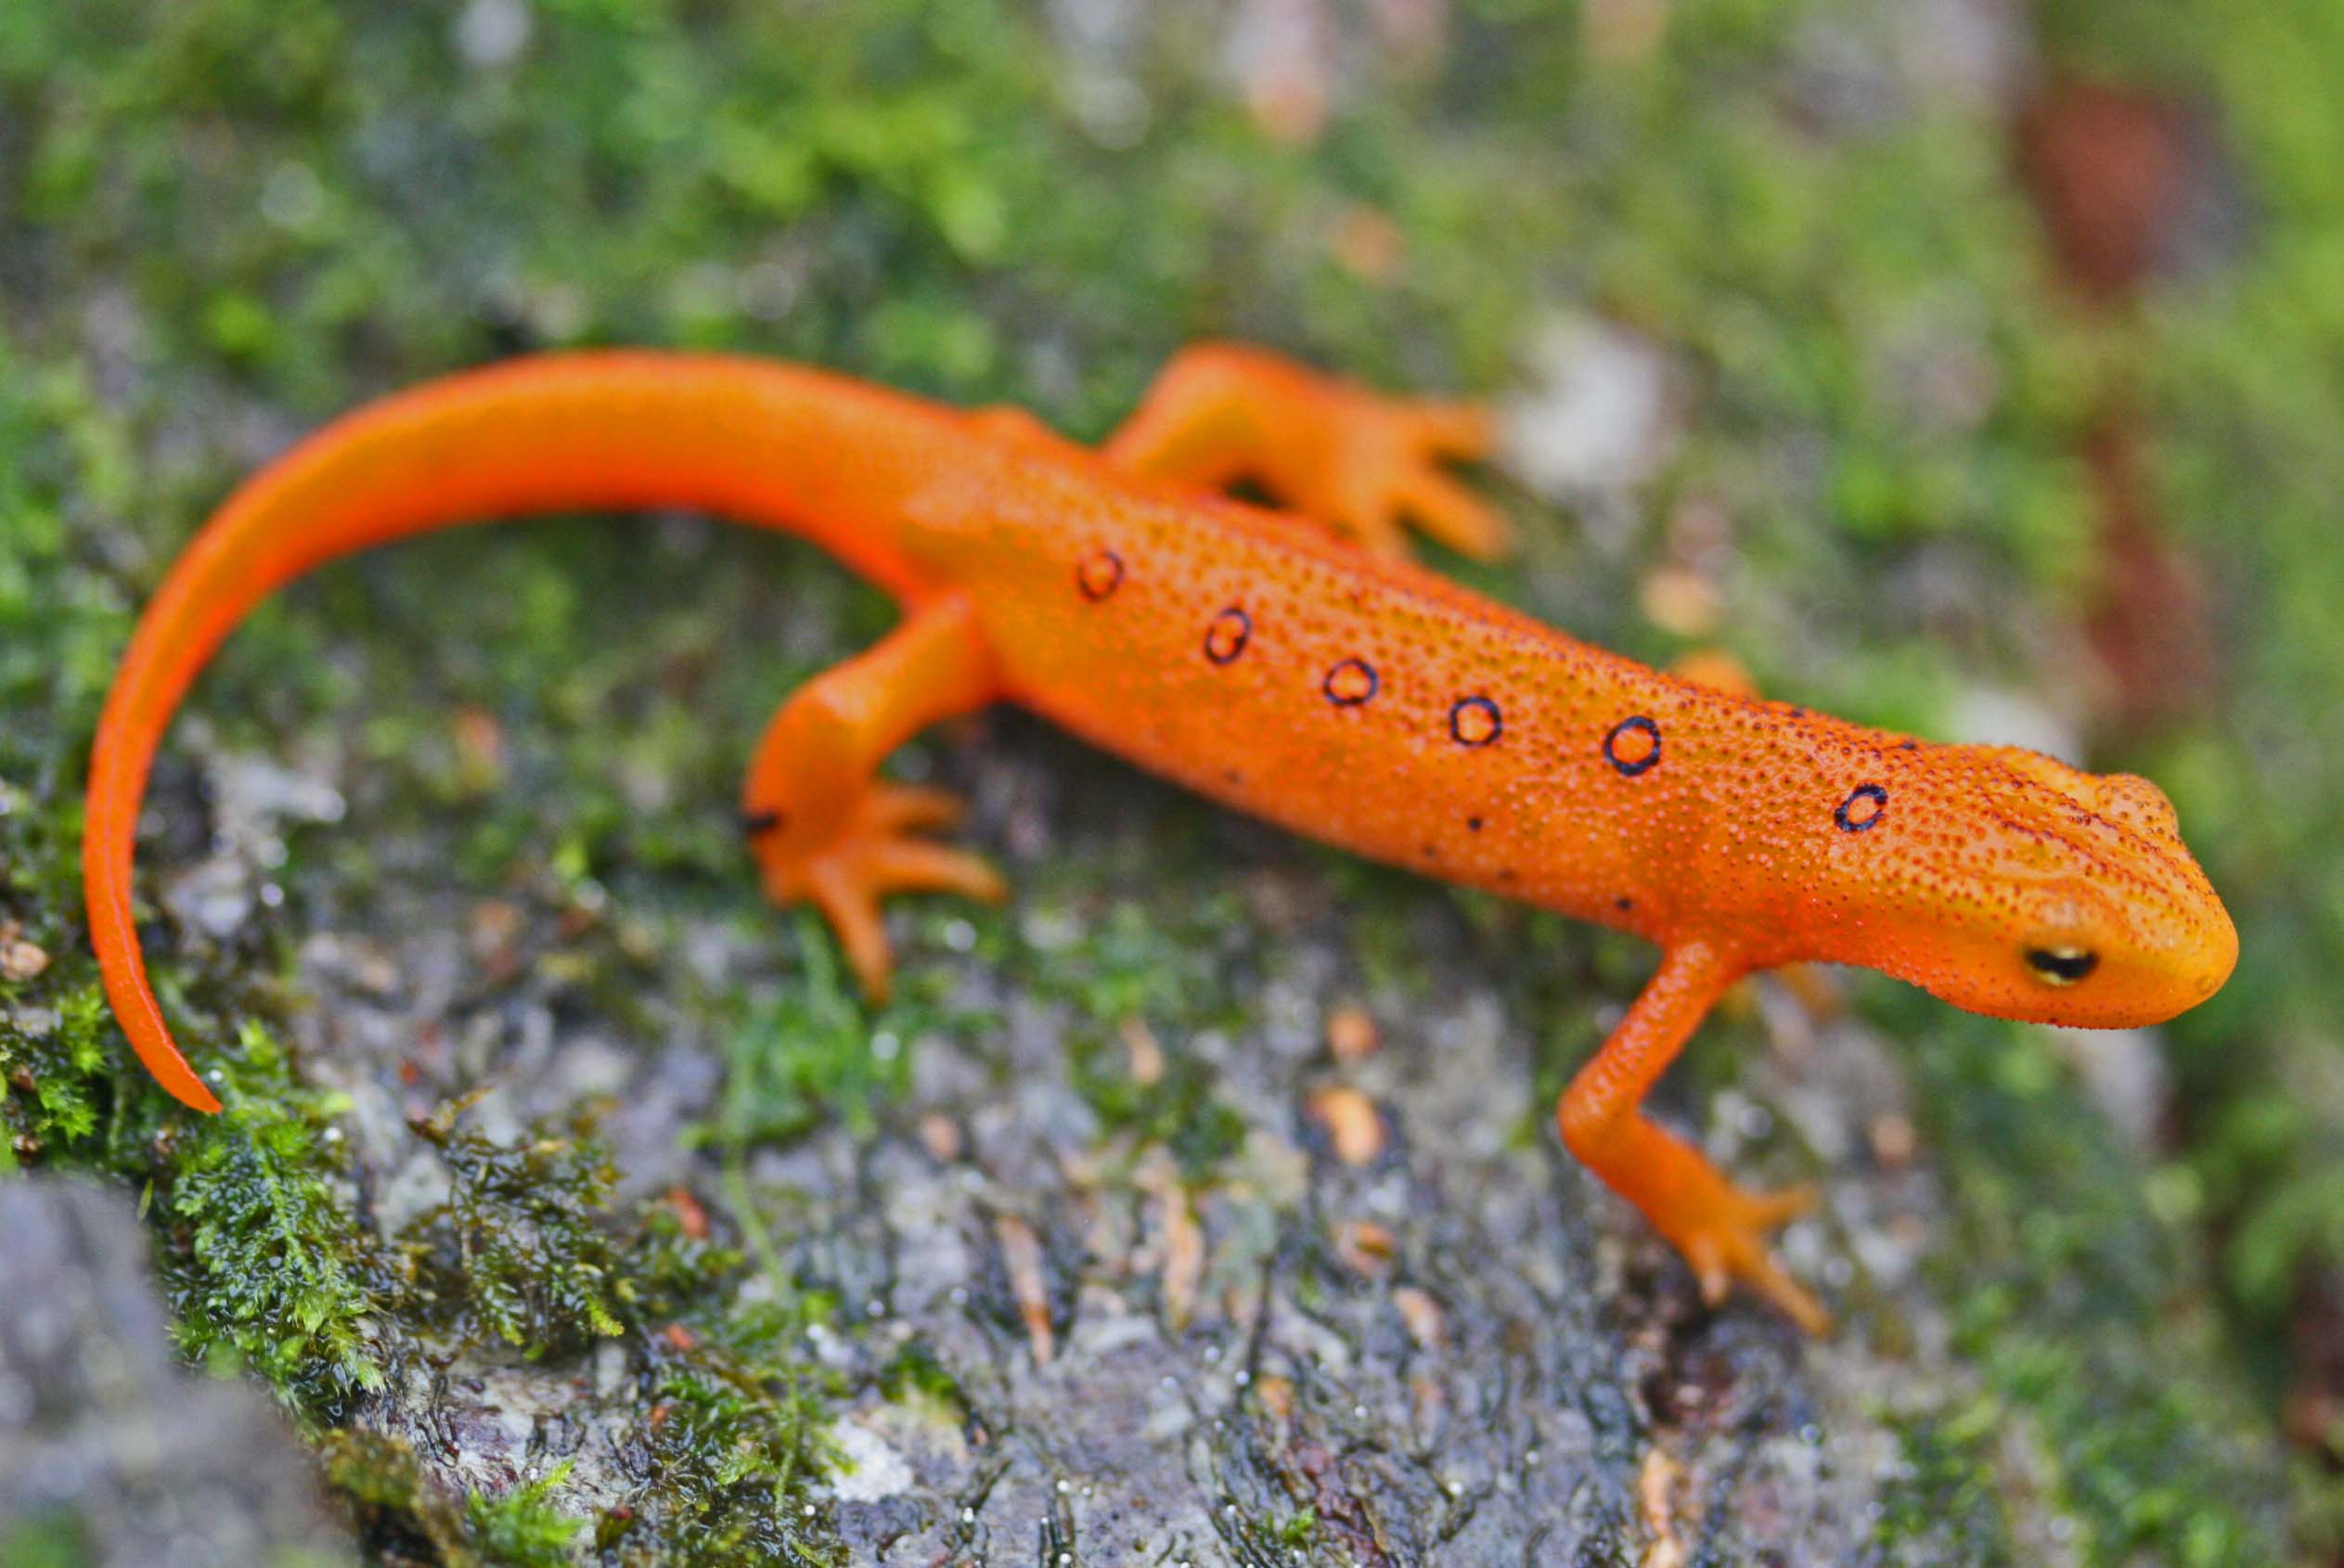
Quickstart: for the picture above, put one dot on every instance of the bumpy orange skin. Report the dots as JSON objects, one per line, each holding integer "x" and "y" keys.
{"x": 1260, "y": 659}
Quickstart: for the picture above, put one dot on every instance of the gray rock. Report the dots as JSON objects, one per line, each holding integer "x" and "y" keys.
{"x": 109, "y": 1453}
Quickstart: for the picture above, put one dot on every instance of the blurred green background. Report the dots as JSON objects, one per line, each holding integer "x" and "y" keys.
{"x": 1967, "y": 369}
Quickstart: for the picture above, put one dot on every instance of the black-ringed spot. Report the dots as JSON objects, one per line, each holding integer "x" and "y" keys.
{"x": 1350, "y": 683}
{"x": 1227, "y": 637}
{"x": 1862, "y": 809}
{"x": 1633, "y": 746}
{"x": 1098, "y": 574}
{"x": 1474, "y": 721}
{"x": 757, "y": 824}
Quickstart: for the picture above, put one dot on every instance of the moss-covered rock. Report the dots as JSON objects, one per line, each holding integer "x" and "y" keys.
{"x": 1065, "y": 1244}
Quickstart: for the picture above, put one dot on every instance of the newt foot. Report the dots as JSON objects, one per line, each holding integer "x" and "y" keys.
{"x": 1387, "y": 470}
{"x": 876, "y": 850}
{"x": 1729, "y": 1246}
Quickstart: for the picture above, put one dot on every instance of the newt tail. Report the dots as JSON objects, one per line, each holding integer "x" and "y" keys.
{"x": 751, "y": 441}
{"x": 1287, "y": 662}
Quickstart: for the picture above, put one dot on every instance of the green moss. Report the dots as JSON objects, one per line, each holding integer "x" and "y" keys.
{"x": 400, "y": 1517}
{"x": 53, "y": 1063}
{"x": 523, "y": 1527}
{"x": 1948, "y": 1496}
{"x": 519, "y": 1251}
{"x": 2075, "y": 1303}
{"x": 1159, "y": 967}
{"x": 1279, "y": 1536}
{"x": 274, "y": 1273}
{"x": 808, "y": 1055}
{"x": 1178, "y": 1109}
{"x": 1298, "y": 1531}
{"x": 51, "y": 1540}
{"x": 383, "y": 1488}
{"x": 738, "y": 1449}
{"x": 2240, "y": 372}
{"x": 733, "y": 1451}
{"x": 914, "y": 1372}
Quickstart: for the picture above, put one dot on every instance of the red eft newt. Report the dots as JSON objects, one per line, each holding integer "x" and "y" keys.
{"x": 1290, "y": 663}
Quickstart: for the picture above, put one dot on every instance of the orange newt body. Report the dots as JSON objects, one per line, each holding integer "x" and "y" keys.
{"x": 1265, "y": 659}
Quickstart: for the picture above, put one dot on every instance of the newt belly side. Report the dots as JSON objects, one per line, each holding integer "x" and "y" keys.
{"x": 1290, "y": 663}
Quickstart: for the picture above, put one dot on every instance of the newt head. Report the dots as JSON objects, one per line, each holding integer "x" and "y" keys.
{"x": 2011, "y": 883}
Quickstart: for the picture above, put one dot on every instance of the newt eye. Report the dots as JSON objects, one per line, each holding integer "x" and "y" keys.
{"x": 2061, "y": 966}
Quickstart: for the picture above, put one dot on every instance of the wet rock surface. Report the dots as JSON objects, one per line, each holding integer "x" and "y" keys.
{"x": 1388, "y": 1322}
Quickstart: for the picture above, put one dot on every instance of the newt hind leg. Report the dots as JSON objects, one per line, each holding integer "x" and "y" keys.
{"x": 823, "y": 828}
{"x": 1347, "y": 457}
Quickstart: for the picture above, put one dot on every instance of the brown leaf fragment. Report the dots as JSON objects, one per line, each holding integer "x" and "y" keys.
{"x": 20, "y": 959}
{"x": 940, "y": 1135}
{"x": 1022, "y": 1257}
{"x": 1893, "y": 1141}
{"x": 1353, "y": 1126}
{"x": 1656, "y": 1482}
{"x": 1365, "y": 1247}
{"x": 1351, "y": 1034}
{"x": 1147, "y": 1056}
{"x": 689, "y": 1214}
{"x": 1427, "y": 1323}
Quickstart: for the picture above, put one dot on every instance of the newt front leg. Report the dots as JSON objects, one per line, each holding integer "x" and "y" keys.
{"x": 1720, "y": 1227}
